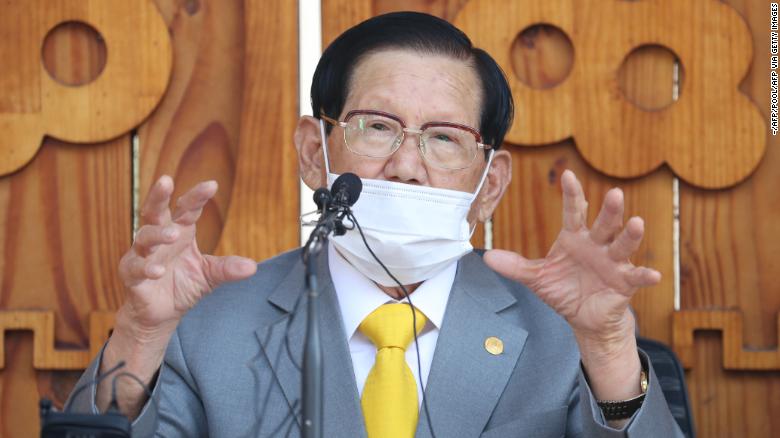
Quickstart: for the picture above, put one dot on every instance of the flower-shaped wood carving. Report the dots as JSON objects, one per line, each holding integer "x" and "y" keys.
{"x": 713, "y": 136}
{"x": 33, "y": 104}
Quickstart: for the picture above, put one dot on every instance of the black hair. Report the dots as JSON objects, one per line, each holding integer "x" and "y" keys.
{"x": 422, "y": 33}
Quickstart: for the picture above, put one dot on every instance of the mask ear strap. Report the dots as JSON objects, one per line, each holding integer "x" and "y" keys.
{"x": 325, "y": 145}
{"x": 484, "y": 176}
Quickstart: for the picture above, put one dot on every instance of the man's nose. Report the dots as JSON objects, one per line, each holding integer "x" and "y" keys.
{"x": 406, "y": 164}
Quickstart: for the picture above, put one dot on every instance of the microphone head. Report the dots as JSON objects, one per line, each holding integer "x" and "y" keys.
{"x": 346, "y": 189}
{"x": 321, "y": 197}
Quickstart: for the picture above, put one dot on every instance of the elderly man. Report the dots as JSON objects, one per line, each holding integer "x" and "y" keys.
{"x": 503, "y": 347}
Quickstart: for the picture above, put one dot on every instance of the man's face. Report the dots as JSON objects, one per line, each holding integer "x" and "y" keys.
{"x": 418, "y": 88}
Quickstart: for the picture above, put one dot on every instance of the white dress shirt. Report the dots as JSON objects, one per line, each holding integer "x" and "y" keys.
{"x": 358, "y": 296}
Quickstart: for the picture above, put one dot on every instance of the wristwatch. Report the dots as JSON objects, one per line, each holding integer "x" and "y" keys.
{"x": 622, "y": 409}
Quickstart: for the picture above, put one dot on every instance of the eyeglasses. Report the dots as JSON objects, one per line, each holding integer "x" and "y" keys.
{"x": 379, "y": 134}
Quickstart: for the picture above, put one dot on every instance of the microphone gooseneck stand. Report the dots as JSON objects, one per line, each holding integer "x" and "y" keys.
{"x": 334, "y": 207}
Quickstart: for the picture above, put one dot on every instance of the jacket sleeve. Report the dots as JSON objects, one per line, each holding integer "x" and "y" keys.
{"x": 653, "y": 419}
{"x": 175, "y": 408}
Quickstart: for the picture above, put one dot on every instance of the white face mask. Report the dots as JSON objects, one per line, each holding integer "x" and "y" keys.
{"x": 415, "y": 231}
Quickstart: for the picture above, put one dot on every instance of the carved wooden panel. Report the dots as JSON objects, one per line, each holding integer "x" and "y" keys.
{"x": 712, "y": 136}
{"x": 730, "y": 323}
{"x": 123, "y": 93}
{"x": 46, "y": 356}
{"x": 729, "y": 264}
{"x": 65, "y": 220}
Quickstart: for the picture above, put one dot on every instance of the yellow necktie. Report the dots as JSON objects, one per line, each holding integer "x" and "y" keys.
{"x": 390, "y": 394}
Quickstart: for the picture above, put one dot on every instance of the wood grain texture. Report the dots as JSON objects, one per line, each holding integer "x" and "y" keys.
{"x": 696, "y": 136}
{"x": 229, "y": 116}
{"x": 65, "y": 221}
{"x": 262, "y": 219}
{"x": 730, "y": 404}
{"x": 194, "y": 133}
{"x": 730, "y": 256}
{"x": 127, "y": 89}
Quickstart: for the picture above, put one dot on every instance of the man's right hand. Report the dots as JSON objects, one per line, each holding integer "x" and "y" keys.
{"x": 165, "y": 274}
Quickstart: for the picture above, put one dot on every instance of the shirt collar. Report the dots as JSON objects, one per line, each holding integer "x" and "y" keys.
{"x": 358, "y": 296}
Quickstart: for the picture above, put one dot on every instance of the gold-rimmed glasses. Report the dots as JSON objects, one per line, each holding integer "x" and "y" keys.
{"x": 379, "y": 134}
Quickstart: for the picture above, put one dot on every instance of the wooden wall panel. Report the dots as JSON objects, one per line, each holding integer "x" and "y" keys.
{"x": 730, "y": 256}
{"x": 65, "y": 221}
{"x": 194, "y": 134}
{"x": 229, "y": 116}
{"x": 263, "y": 216}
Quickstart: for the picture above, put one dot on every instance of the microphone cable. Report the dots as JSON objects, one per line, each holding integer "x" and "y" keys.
{"x": 95, "y": 381}
{"x": 110, "y": 423}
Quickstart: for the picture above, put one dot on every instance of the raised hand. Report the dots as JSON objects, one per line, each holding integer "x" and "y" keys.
{"x": 164, "y": 272}
{"x": 165, "y": 275}
{"x": 587, "y": 277}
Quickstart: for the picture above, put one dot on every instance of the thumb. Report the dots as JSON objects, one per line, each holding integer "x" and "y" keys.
{"x": 219, "y": 270}
{"x": 513, "y": 265}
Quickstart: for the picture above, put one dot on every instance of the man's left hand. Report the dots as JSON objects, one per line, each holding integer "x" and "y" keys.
{"x": 587, "y": 277}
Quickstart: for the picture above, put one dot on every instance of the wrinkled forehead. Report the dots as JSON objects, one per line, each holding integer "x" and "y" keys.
{"x": 420, "y": 86}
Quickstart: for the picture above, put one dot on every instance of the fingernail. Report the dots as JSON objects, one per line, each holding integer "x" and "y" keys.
{"x": 169, "y": 233}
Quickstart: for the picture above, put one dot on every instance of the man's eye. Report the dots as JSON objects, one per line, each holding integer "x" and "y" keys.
{"x": 379, "y": 127}
{"x": 442, "y": 137}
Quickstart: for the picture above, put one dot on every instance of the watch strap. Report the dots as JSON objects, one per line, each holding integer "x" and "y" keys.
{"x": 620, "y": 409}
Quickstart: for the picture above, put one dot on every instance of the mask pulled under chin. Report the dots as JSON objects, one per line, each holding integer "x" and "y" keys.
{"x": 416, "y": 231}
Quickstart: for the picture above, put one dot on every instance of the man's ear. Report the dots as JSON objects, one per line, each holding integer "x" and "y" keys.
{"x": 308, "y": 144}
{"x": 497, "y": 180}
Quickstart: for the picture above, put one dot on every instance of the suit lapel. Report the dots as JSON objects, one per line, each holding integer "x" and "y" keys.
{"x": 466, "y": 381}
{"x": 342, "y": 412}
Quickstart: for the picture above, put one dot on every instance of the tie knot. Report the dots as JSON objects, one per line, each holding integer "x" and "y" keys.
{"x": 390, "y": 325}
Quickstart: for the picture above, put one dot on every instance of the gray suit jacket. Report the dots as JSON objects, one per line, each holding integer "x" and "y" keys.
{"x": 231, "y": 367}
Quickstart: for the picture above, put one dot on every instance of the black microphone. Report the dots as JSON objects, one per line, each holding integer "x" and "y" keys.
{"x": 334, "y": 204}
{"x": 346, "y": 189}
{"x": 322, "y": 198}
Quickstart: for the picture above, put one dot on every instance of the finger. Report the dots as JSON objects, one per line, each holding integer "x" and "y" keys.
{"x": 155, "y": 209}
{"x": 190, "y": 205}
{"x": 627, "y": 242}
{"x": 575, "y": 207}
{"x": 513, "y": 265}
{"x": 643, "y": 277}
{"x": 219, "y": 270}
{"x": 610, "y": 217}
{"x": 135, "y": 269}
{"x": 149, "y": 237}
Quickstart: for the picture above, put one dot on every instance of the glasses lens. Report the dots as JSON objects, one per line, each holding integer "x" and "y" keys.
{"x": 372, "y": 135}
{"x": 449, "y": 147}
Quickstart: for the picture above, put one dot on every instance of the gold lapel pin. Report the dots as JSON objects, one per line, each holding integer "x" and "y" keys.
{"x": 494, "y": 346}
